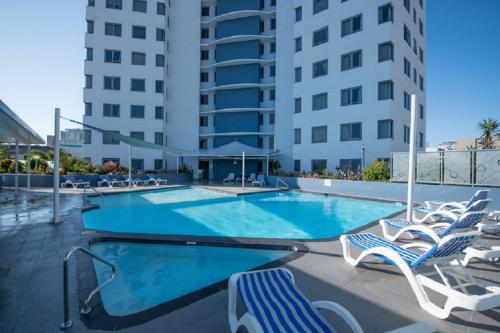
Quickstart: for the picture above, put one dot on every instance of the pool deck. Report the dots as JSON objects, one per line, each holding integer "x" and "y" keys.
{"x": 31, "y": 252}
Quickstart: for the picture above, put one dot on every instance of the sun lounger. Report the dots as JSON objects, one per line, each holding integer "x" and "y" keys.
{"x": 157, "y": 180}
{"x": 261, "y": 181}
{"x": 457, "y": 207}
{"x": 443, "y": 214}
{"x": 109, "y": 181}
{"x": 229, "y": 179}
{"x": 73, "y": 182}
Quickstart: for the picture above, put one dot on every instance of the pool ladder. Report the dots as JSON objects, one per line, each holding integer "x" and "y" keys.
{"x": 279, "y": 180}
{"x": 86, "y": 196}
{"x": 85, "y": 309}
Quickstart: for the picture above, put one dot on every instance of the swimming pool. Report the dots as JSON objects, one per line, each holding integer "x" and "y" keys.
{"x": 199, "y": 212}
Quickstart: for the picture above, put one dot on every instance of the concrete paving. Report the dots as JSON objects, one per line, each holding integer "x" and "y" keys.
{"x": 31, "y": 252}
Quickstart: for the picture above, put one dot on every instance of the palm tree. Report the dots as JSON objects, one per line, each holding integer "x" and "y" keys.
{"x": 489, "y": 128}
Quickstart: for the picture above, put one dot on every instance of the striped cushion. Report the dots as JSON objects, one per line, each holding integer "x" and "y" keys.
{"x": 402, "y": 223}
{"x": 273, "y": 299}
{"x": 454, "y": 246}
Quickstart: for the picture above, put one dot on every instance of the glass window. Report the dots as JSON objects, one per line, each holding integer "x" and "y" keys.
{"x": 88, "y": 81}
{"x": 407, "y": 67}
{"x": 298, "y": 105}
{"x": 138, "y": 58}
{"x": 204, "y": 76}
{"x": 298, "y": 74}
{"x": 421, "y": 111}
{"x": 272, "y": 71}
{"x": 140, "y": 6}
{"x": 113, "y": 56}
{"x": 90, "y": 26}
{"x": 319, "y": 6}
{"x": 421, "y": 55}
{"x": 319, "y": 134}
{"x": 271, "y": 119}
{"x": 138, "y": 32}
{"x": 407, "y": 5}
{"x": 159, "y": 86}
{"x": 406, "y": 134}
{"x": 158, "y": 164}
{"x": 298, "y": 14}
{"x": 421, "y": 140}
{"x": 111, "y": 110}
{"x": 385, "y": 129}
{"x": 350, "y": 132}
{"x": 158, "y": 138}
{"x": 351, "y": 96}
{"x": 421, "y": 27}
{"x": 272, "y": 94}
{"x": 88, "y": 109}
{"x": 320, "y": 101}
{"x": 407, "y": 35}
{"x": 385, "y": 14}
{"x": 87, "y": 137}
{"x": 137, "y": 135}
{"x": 351, "y": 60}
{"x": 351, "y": 25}
{"x": 158, "y": 112}
{"x": 205, "y": 11}
{"x": 205, "y": 33}
{"x": 109, "y": 139}
{"x": 112, "y": 29}
{"x": 271, "y": 142}
{"x": 320, "y": 68}
{"x": 114, "y": 4}
{"x": 421, "y": 82}
{"x": 91, "y": 3}
{"x": 137, "y": 111}
{"x": 296, "y": 165}
{"x": 351, "y": 164}
{"x": 204, "y": 54}
{"x": 298, "y": 44}
{"x": 385, "y": 90}
{"x": 385, "y": 51}
{"x": 160, "y": 60}
{"x": 273, "y": 24}
{"x": 203, "y": 121}
{"x": 318, "y": 165}
{"x": 160, "y": 35}
{"x": 112, "y": 83}
{"x": 297, "y": 135}
{"x": 204, "y": 99}
{"x": 138, "y": 85}
{"x": 320, "y": 36}
{"x": 137, "y": 164}
{"x": 160, "y": 8}
{"x": 89, "y": 54}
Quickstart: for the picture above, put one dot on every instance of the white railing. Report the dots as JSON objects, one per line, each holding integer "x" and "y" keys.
{"x": 279, "y": 180}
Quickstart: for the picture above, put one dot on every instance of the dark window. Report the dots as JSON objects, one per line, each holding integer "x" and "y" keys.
{"x": 158, "y": 164}
{"x": 90, "y": 26}
{"x": 87, "y": 137}
{"x": 421, "y": 82}
{"x": 406, "y": 101}
{"x": 137, "y": 111}
{"x": 351, "y": 60}
{"x": 159, "y": 86}
{"x": 91, "y": 3}
{"x": 320, "y": 68}
{"x": 204, "y": 99}
{"x": 298, "y": 105}
{"x": 89, "y": 54}
{"x": 298, "y": 74}
{"x": 204, "y": 54}
{"x": 205, "y": 11}
{"x": 158, "y": 138}
{"x": 407, "y": 67}
{"x": 138, "y": 32}
{"x": 160, "y": 8}
{"x": 385, "y": 14}
{"x": 320, "y": 101}
{"x": 352, "y": 25}
{"x": 297, "y": 136}
{"x": 109, "y": 139}
{"x": 352, "y": 164}
{"x": 319, "y": 6}
{"x": 140, "y": 6}
{"x": 160, "y": 35}
{"x": 113, "y": 29}
{"x": 298, "y": 44}
{"x": 138, "y": 85}
{"x": 113, "y": 56}
{"x": 421, "y": 139}
{"x": 319, "y": 134}
{"x": 421, "y": 109}
{"x": 111, "y": 110}
{"x": 385, "y": 129}
{"x": 320, "y": 36}
{"x": 137, "y": 164}
{"x": 296, "y": 165}
{"x": 407, "y": 35}
{"x": 88, "y": 81}
{"x": 406, "y": 134}
{"x": 114, "y": 4}
{"x": 204, "y": 76}
{"x": 318, "y": 165}
{"x": 112, "y": 83}
{"x": 158, "y": 112}
{"x": 351, "y": 96}
{"x": 350, "y": 132}
{"x": 205, "y": 33}
{"x": 137, "y": 135}
{"x": 138, "y": 58}
{"x": 385, "y": 90}
{"x": 385, "y": 52}
{"x": 160, "y": 60}
{"x": 298, "y": 14}
{"x": 88, "y": 109}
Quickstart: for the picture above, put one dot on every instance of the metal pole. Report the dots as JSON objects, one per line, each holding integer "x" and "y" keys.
{"x": 177, "y": 164}
{"x": 243, "y": 171}
{"x": 129, "y": 166}
{"x": 16, "y": 167}
{"x": 67, "y": 323}
{"x": 267, "y": 165}
{"x": 28, "y": 161}
{"x": 411, "y": 158}
{"x": 57, "y": 115}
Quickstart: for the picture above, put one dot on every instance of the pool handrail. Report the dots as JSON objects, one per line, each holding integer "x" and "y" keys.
{"x": 279, "y": 180}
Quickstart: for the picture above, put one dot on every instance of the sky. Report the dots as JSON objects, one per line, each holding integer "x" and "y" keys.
{"x": 42, "y": 52}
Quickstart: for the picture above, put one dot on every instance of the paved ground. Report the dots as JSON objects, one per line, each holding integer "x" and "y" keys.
{"x": 31, "y": 252}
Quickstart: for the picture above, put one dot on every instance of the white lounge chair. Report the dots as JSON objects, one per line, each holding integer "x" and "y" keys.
{"x": 157, "y": 180}
{"x": 251, "y": 178}
{"x": 229, "y": 179}
{"x": 73, "y": 182}
{"x": 107, "y": 180}
{"x": 273, "y": 303}
{"x": 443, "y": 214}
{"x": 261, "y": 181}
{"x": 457, "y": 207}
{"x": 461, "y": 291}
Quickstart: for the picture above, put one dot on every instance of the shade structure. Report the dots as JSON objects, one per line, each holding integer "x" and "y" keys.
{"x": 13, "y": 128}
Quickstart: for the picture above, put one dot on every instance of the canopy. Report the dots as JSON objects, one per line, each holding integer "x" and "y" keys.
{"x": 13, "y": 128}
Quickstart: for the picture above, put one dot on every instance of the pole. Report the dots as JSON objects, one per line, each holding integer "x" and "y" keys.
{"x": 28, "y": 161}
{"x": 411, "y": 158}
{"x": 177, "y": 167}
{"x": 129, "y": 166}
{"x": 16, "y": 167}
{"x": 243, "y": 171}
{"x": 57, "y": 115}
{"x": 267, "y": 165}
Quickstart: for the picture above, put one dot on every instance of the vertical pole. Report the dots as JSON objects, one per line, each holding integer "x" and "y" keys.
{"x": 67, "y": 323}
{"x": 129, "y": 166}
{"x": 57, "y": 115}
{"x": 243, "y": 171}
{"x": 267, "y": 165}
{"x": 177, "y": 167}
{"x": 411, "y": 158}
{"x": 28, "y": 162}
{"x": 16, "y": 167}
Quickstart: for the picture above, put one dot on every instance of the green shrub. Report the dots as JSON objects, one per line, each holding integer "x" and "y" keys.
{"x": 378, "y": 171}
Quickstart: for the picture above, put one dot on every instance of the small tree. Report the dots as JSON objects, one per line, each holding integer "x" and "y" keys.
{"x": 489, "y": 128}
{"x": 377, "y": 171}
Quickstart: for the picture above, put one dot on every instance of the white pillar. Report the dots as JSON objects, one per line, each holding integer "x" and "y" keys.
{"x": 243, "y": 171}
{"x": 28, "y": 162}
{"x": 16, "y": 167}
{"x": 57, "y": 115}
{"x": 411, "y": 158}
{"x": 129, "y": 166}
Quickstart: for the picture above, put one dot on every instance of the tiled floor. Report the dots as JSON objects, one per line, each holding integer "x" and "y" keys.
{"x": 31, "y": 252}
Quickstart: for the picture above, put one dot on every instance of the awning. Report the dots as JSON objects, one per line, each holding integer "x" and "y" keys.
{"x": 13, "y": 128}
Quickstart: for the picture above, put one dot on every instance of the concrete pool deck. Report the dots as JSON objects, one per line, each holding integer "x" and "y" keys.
{"x": 31, "y": 252}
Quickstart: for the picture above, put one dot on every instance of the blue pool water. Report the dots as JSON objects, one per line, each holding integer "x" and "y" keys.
{"x": 195, "y": 211}
{"x": 151, "y": 274}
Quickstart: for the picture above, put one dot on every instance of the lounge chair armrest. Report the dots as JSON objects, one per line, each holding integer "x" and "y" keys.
{"x": 425, "y": 246}
{"x": 446, "y": 213}
{"x": 340, "y": 311}
{"x": 250, "y": 323}
{"x": 426, "y": 229}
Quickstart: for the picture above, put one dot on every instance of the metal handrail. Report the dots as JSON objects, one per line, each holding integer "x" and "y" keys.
{"x": 86, "y": 309}
{"x": 85, "y": 195}
{"x": 279, "y": 180}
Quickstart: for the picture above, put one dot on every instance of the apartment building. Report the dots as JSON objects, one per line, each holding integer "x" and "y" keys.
{"x": 311, "y": 83}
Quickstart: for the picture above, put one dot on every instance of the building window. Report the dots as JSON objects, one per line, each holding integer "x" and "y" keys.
{"x": 205, "y": 11}
{"x": 320, "y": 101}
{"x": 91, "y": 3}
{"x": 261, "y": 119}
{"x": 111, "y": 110}
{"x": 273, "y": 24}
{"x": 406, "y": 101}
{"x": 138, "y": 85}
{"x": 204, "y": 55}
{"x": 421, "y": 27}
{"x": 204, "y": 76}
{"x": 298, "y": 44}
{"x": 318, "y": 165}
{"x": 109, "y": 139}
{"x": 298, "y": 14}
{"x": 298, "y": 74}
{"x": 351, "y": 60}
{"x": 158, "y": 112}
{"x": 160, "y": 35}
{"x": 407, "y": 68}
{"x": 160, "y": 60}
{"x": 421, "y": 55}
{"x": 406, "y": 134}
{"x": 204, "y": 99}
{"x": 160, "y": 8}
{"x": 205, "y": 33}
{"x": 112, "y": 83}
{"x": 298, "y": 105}
{"x": 272, "y": 71}
{"x": 352, "y": 25}
{"x": 271, "y": 119}
{"x": 350, "y": 132}
{"x": 138, "y": 58}
{"x": 421, "y": 111}
{"x": 421, "y": 2}
{"x": 319, "y": 134}
{"x": 90, "y": 26}
{"x": 89, "y": 54}
{"x": 297, "y": 136}
{"x": 406, "y": 3}
{"x": 421, "y": 139}
{"x": 138, "y": 32}
{"x": 137, "y": 164}
{"x": 137, "y": 135}
{"x": 203, "y": 144}
{"x": 319, "y": 6}
{"x": 114, "y": 4}
{"x": 113, "y": 56}
{"x": 273, "y": 47}
{"x": 415, "y": 49}
{"x": 421, "y": 82}
{"x": 385, "y": 52}
{"x": 159, "y": 138}
{"x": 140, "y": 6}
{"x": 407, "y": 35}
{"x": 87, "y": 137}
{"x": 88, "y": 109}
{"x": 203, "y": 121}
{"x": 158, "y": 164}
{"x": 414, "y": 75}
{"x": 350, "y": 164}
{"x": 320, "y": 68}
{"x": 88, "y": 81}
{"x": 137, "y": 111}
{"x": 385, "y": 90}
{"x": 385, "y": 129}
{"x": 320, "y": 36}
{"x": 159, "y": 86}
{"x": 296, "y": 165}
{"x": 272, "y": 94}
{"x": 271, "y": 142}
{"x": 385, "y": 14}
{"x": 351, "y": 96}
{"x": 113, "y": 29}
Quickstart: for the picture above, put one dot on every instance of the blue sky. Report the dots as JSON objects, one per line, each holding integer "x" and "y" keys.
{"x": 41, "y": 63}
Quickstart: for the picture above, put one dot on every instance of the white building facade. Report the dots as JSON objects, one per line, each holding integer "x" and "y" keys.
{"x": 317, "y": 80}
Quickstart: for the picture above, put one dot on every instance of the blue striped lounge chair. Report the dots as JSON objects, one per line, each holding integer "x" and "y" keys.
{"x": 74, "y": 182}
{"x": 429, "y": 269}
{"x": 450, "y": 215}
{"x": 273, "y": 303}
{"x": 435, "y": 231}
{"x": 459, "y": 207}
{"x": 157, "y": 180}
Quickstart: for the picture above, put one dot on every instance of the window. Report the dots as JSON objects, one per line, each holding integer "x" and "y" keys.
{"x": 320, "y": 101}
{"x": 296, "y": 165}
{"x": 351, "y": 25}
{"x": 319, "y": 6}
{"x": 272, "y": 94}
{"x": 350, "y": 164}
{"x": 298, "y": 14}
{"x": 320, "y": 68}
{"x": 111, "y": 110}
{"x": 351, "y": 96}
{"x": 204, "y": 54}
{"x": 421, "y": 82}
{"x": 406, "y": 101}
{"x": 421, "y": 27}
{"x": 113, "y": 56}
{"x": 137, "y": 85}
{"x": 415, "y": 49}
{"x": 385, "y": 14}
{"x": 350, "y": 132}
{"x": 89, "y": 56}
{"x": 318, "y": 165}
{"x": 271, "y": 142}
{"x": 204, "y": 99}
{"x": 421, "y": 111}
{"x": 407, "y": 35}
{"x": 158, "y": 138}
{"x": 272, "y": 71}
{"x": 90, "y": 26}
{"x": 158, "y": 112}
{"x": 298, "y": 44}
{"x": 114, "y": 4}
{"x": 91, "y": 3}
{"x": 351, "y": 60}
{"x": 414, "y": 16}
{"x": 421, "y": 139}
{"x": 320, "y": 36}
{"x": 109, "y": 139}
{"x": 160, "y": 60}
{"x": 204, "y": 76}
{"x": 158, "y": 164}
{"x": 137, "y": 164}
{"x": 385, "y": 52}
{"x": 319, "y": 134}
{"x": 298, "y": 105}
{"x": 205, "y": 33}
{"x": 138, "y": 58}
{"x": 160, "y": 9}
{"x": 298, "y": 74}
{"x": 113, "y": 29}
{"x": 297, "y": 136}
{"x": 414, "y": 75}
{"x": 140, "y": 6}
{"x": 406, "y": 134}
{"x": 260, "y": 142}
{"x": 407, "y": 5}
{"x": 88, "y": 109}
{"x": 273, "y": 24}
{"x": 160, "y": 35}
{"x": 421, "y": 2}
{"x": 203, "y": 144}
{"x": 138, "y": 32}
{"x": 137, "y": 111}
{"x": 421, "y": 55}
{"x": 205, "y": 11}
{"x": 88, "y": 81}
{"x": 112, "y": 83}
{"x": 159, "y": 86}
{"x": 407, "y": 68}
{"x": 271, "y": 119}
{"x": 261, "y": 119}
{"x": 87, "y": 137}
{"x": 203, "y": 121}
{"x": 137, "y": 135}
{"x": 385, "y": 129}
{"x": 385, "y": 90}
{"x": 273, "y": 47}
